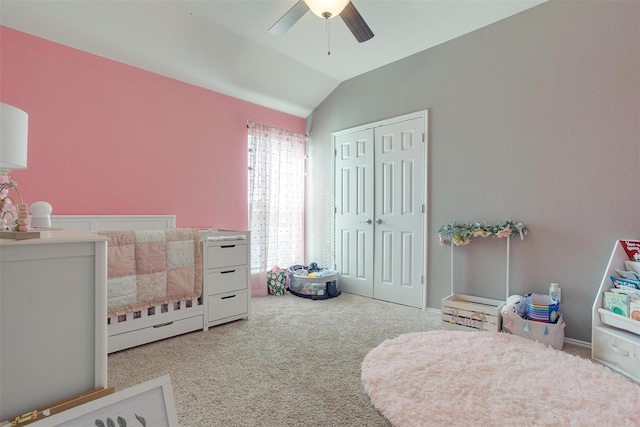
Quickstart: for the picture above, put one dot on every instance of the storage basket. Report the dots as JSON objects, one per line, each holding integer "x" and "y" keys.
{"x": 547, "y": 333}
{"x": 323, "y": 287}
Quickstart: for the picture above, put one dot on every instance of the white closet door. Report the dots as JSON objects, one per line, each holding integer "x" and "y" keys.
{"x": 380, "y": 182}
{"x": 354, "y": 211}
{"x": 399, "y": 217}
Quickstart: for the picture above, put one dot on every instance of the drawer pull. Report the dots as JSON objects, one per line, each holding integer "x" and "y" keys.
{"x": 227, "y": 246}
{"x": 227, "y": 272}
{"x": 228, "y": 296}
{"x": 620, "y": 351}
{"x": 162, "y": 325}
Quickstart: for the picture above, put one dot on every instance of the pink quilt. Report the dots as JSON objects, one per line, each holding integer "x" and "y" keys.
{"x": 150, "y": 267}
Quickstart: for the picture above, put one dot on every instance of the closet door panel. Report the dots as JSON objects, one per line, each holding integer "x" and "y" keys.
{"x": 399, "y": 226}
{"x": 354, "y": 211}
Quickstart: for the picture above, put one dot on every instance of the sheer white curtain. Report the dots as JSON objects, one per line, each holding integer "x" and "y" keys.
{"x": 276, "y": 198}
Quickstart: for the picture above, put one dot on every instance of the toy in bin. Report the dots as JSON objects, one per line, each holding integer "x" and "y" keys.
{"x": 542, "y": 308}
{"x": 313, "y": 282}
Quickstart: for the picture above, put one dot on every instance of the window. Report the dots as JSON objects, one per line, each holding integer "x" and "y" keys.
{"x": 276, "y": 197}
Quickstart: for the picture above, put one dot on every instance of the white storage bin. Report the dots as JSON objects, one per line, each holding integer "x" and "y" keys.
{"x": 465, "y": 312}
{"x": 617, "y": 349}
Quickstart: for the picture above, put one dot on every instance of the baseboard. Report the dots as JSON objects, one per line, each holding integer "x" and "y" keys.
{"x": 434, "y": 310}
{"x": 577, "y": 342}
{"x": 567, "y": 340}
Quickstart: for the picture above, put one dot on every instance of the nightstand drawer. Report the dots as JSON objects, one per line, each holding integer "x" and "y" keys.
{"x": 614, "y": 349}
{"x": 226, "y": 280}
{"x": 226, "y": 255}
{"x": 227, "y": 305}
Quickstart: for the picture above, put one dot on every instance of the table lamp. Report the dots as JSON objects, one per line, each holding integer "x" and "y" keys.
{"x": 13, "y": 155}
{"x": 41, "y": 214}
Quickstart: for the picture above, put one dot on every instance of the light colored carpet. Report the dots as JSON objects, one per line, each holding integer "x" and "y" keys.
{"x": 454, "y": 378}
{"x": 295, "y": 363}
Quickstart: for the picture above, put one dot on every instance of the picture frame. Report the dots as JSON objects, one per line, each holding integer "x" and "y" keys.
{"x": 149, "y": 404}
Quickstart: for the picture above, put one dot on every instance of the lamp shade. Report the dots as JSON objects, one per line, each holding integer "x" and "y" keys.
{"x": 14, "y": 125}
{"x": 327, "y": 8}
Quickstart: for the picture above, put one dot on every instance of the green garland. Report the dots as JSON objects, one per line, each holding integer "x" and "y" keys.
{"x": 461, "y": 234}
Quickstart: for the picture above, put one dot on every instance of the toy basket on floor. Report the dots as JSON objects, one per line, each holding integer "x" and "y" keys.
{"x": 551, "y": 334}
{"x": 324, "y": 286}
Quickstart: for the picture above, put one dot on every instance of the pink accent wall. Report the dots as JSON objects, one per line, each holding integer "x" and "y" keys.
{"x": 108, "y": 138}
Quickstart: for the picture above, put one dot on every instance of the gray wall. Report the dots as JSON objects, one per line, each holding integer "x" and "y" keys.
{"x": 534, "y": 118}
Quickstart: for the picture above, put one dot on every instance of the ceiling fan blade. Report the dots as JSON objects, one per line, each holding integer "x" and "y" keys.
{"x": 355, "y": 23}
{"x": 289, "y": 18}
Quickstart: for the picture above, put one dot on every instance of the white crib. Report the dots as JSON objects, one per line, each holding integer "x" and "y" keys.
{"x": 151, "y": 324}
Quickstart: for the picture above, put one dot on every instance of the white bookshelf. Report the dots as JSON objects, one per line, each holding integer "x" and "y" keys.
{"x": 615, "y": 339}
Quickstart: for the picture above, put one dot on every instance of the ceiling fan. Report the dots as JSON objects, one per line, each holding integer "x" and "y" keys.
{"x": 326, "y": 9}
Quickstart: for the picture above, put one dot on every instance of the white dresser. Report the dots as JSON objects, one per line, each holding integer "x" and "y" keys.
{"x": 615, "y": 339}
{"x": 227, "y": 277}
{"x": 53, "y": 333}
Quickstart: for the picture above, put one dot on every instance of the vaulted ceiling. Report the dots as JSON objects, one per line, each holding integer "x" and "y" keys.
{"x": 225, "y": 46}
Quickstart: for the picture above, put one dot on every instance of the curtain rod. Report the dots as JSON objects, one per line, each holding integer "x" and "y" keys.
{"x": 251, "y": 123}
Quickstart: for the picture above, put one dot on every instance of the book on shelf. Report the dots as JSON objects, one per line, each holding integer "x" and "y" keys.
{"x": 632, "y": 248}
{"x": 619, "y": 282}
{"x": 617, "y": 303}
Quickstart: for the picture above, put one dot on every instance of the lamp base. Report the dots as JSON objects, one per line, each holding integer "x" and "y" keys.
{"x": 40, "y": 221}
{"x": 19, "y": 235}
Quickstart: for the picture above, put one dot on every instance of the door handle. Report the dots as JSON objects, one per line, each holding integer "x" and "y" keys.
{"x": 379, "y": 221}
{"x": 366, "y": 222}
{"x": 621, "y": 351}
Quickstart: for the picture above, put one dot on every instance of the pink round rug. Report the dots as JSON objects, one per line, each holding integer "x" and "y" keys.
{"x": 455, "y": 378}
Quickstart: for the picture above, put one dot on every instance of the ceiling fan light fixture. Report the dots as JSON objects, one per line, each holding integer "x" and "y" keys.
{"x": 327, "y": 8}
